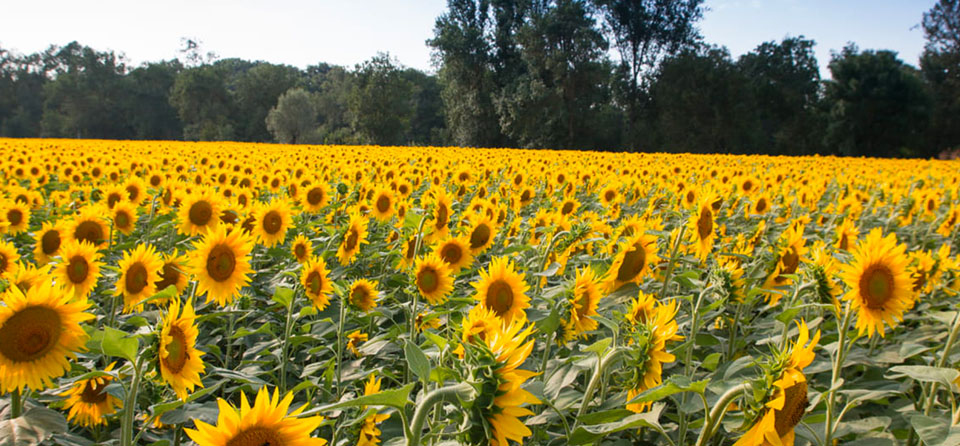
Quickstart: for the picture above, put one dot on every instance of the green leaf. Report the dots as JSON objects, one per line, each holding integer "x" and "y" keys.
{"x": 438, "y": 340}
{"x": 934, "y": 431}
{"x": 283, "y": 296}
{"x": 417, "y": 360}
{"x": 711, "y": 361}
{"x": 600, "y": 346}
{"x": 32, "y": 428}
{"x": 164, "y": 294}
{"x": 925, "y": 373}
{"x": 591, "y": 433}
{"x": 550, "y": 323}
{"x": 674, "y": 384}
{"x": 396, "y": 398}
{"x": 117, "y": 343}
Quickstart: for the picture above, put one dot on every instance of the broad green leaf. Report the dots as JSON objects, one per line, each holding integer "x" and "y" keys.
{"x": 592, "y": 433}
{"x": 550, "y": 323}
{"x": 599, "y": 347}
{"x": 935, "y": 431}
{"x": 32, "y": 428}
{"x": 283, "y": 296}
{"x": 438, "y": 340}
{"x": 417, "y": 360}
{"x": 674, "y": 384}
{"x": 396, "y": 398}
{"x": 117, "y": 343}
{"x": 925, "y": 373}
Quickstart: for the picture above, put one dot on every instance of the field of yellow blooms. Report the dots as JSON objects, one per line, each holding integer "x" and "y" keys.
{"x": 163, "y": 293}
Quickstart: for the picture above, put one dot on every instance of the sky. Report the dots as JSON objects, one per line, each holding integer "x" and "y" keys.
{"x": 303, "y": 33}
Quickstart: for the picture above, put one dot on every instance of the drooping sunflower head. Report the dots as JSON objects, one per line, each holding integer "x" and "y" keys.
{"x": 847, "y": 234}
{"x": 268, "y": 421}
{"x": 353, "y": 237}
{"x": 180, "y": 361}
{"x": 455, "y": 252}
{"x": 791, "y": 251}
{"x": 502, "y": 289}
{"x": 301, "y": 248}
{"x": 221, "y": 264}
{"x": 652, "y": 325}
{"x": 315, "y": 278}
{"x": 633, "y": 261}
{"x": 364, "y": 294}
{"x": 79, "y": 267}
{"x": 39, "y": 330}
{"x": 878, "y": 283}
{"x": 139, "y": 273}
{"x": 88, "y": 401}
{"x": 433, "y": 279}
{"x": 88, "y": 226}
{"x": 442, "y": 208}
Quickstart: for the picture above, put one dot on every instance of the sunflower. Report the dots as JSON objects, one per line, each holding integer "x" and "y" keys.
{"x": 272, "y": 221}
{"x": 880, "y": 288}
{"x": 503, "y": 290}
{"x": 315, "y": 278}
{"x": 408, "y": 253}
{"x": 701, "y": 225}
{"x": 481, "y": 234}
{"x": 383, "y": 204}
{"x": 481, "y": 322}
{"x": 314, "y": 197}
{"x": 39, "y": 330}
{"x": 124, "y": 216}
{"x": 792, "y": 251}
{"x": 356, "y": 338}
{"x": 363, "y": 294}
{"x": 113, "y": 194}
{"x": 79, "y": 269}
{"x": 636, "y": 255}
{"x": 8, "y": 258}
{"x": 265, "y": 423}
{"x": 89, "y": 226}
{"x": 139, "y": 272}
{"x": 822, "y": 268}
{"x": 786, "y": 406}
{"x": 455, "y": 252}
{"x": 760, "y": 205}
{"x": 583, "y": 305}
{"x": 88, "y": 401}
{"x": 433, "y": 279}
{"x": 301, "y": 248}
{"x": 369, "y": 434}
{"x": 439, "y": 224}
{"x": 652, "y": 324}
{"x": 26, "y": 276}
{"x": 221, "y": 263}
{"x": 353, "y": 237}
{"x": 16, "y": 215}
{"x": 180, "y": 362}
{"x": 173, "y": 273}
{"x": 949, "y": 222}
{"x": 48, "y": 242}
{"x": 199, "y": 212}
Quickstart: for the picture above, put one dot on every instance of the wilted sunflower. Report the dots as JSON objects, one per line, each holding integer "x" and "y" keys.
{"x": 8, "y": 258}
{"x": 180, "y": 362}
{"x": 139, "y": 272}
{"x": 39, "y": 331}
{"x": 173, "y": 273}
{"x": 301, "y": 248}
{"x": 353, "y": 237}
{"x": 880, "y": 289}
{"x": 652, "y": 324}
{"x": 272, "y": 221}
{"x": 634, "y": 260}
{"x": 433, "y": 279}
{"x": 455, "y": 252}
{"x": 221, "y": 264}
{"x": 369, "y": 434}
{"x": 265, "y": 423}
{"x": 315, "y": 278}
{"x": 583, "y": 304}
{"x": 502, "y": 289}
{"x": 49, "y": 238}
{"x": 363, "y": 294}
{"x": 89, "y": 226}
{"x": 124, "y": 215}
{"x": 783, "y": 412}
{"x": 89, "y": 403}
{"x": 199, "y": 212}
{"x": 79, "y": 268}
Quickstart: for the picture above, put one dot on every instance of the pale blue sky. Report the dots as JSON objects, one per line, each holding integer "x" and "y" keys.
{"x": 302, "y": 33}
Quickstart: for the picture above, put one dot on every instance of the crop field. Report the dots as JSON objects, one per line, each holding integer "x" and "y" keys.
{"x": 171, "y": 293}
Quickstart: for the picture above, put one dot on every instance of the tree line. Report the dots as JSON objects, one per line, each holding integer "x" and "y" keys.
{"x": 562, "y": 74}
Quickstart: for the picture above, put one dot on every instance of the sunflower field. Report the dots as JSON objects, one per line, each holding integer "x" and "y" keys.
{"x": 171, "y": 293}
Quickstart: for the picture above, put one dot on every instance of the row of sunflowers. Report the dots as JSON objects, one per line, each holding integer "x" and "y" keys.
{"x": 240, "y": 294}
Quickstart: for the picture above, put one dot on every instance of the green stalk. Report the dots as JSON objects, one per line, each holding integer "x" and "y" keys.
{"x": 835, "y": 376}
{"x": 672, "y": 264}
{"x": 15, "y": 404}
{"x": 602, "y": 364}
{"x": 129, "y": 406}
{"x": 416, "y": 294}
{"x": 954, "y": 329}
{"x": 288, "y": 326}
{"x": 451, "y": 394}
{"x": 343, "y": 315}
{"x": 716, "y": 414}
{"x": 688, "y": 360}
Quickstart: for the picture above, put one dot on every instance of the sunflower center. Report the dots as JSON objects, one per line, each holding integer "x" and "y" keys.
{"x": 50, "y": 242}
{"x": 3, "y": 262}
{"x": 122, "y": 220}
{"x": 359, "y": 296}
{"x": 844, "y": 242}
{"x": 92, "y": 393}
{"x": 633, "y": 263}
{"x": 133, "y": 192}
{"x": 30, "y": 333}
{"x": 314, "y": 283}
{"x": 169, "y": 275}
{"x": 876, "y": 286}
{"x": 315, "y": 196}
{"x": 705, "y": 224}
{"x": 451, "y": 254}
{"x": 89, "y": 231}
{"x": 257, "y": 436}
{"x": 761, "y": 205}
{"x": 790, "y": 261}
{"x": 383, "y": 203}
{"x": 14, "y": 216}
{"x": 176, "y": 350}
{"x": 500, "y": 297}
{"x": 567, "y": 208}
{"x": 480, "y": 236}
{"x": 441, "y": 216}
{"x": 221, "y": 262}
{"x": 200, "y": 213}
{"x": 427, "y": 280}
{"x": 300, "y": 251}
{"x": 77, "y": 269}
{"x": 795, "y": 403}
{"x": 136, "y": 279}
{"x": 919, "y": 280}
{"x": 691, "y": 196}
{"x": 112, "y": 199}
{"x": 351, "y": 241}
{"x": 272, "y": 222}
{"x": 610, "y": 195}
{"x": 584, "y": 304}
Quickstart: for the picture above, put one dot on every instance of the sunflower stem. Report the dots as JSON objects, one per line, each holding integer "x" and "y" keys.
{"x": 451, "y": 394}
{"x": 733, "y": 332}
{"x": 343, "y": 315}
{"x": 831, "y": 424}
{"x": 954, "y": 329}
{"x": 288, "y": 326}
{"x": 719, "y": 409}
{"x": 129, "y": 406}
{"x": 672, "y": 264}
{"x": 603, "y": 363}
{"x": 416, "y": 295}
{"x": 15, "y": 404}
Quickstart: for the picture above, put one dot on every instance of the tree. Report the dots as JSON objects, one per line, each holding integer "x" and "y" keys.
{"x": 256, "y": 92}
{"x": 22, "y": 79}
{"x": 203, "y": 103}
{"x": 878, "y": 105}
{"x": 146, "y": 105}
{"x": 940, "y": 65}
{"x": 785, "y": 80}
{"x": 426, "y": 125}
{"x": 380, "y": 103}
{"x": 294, "y": 116}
